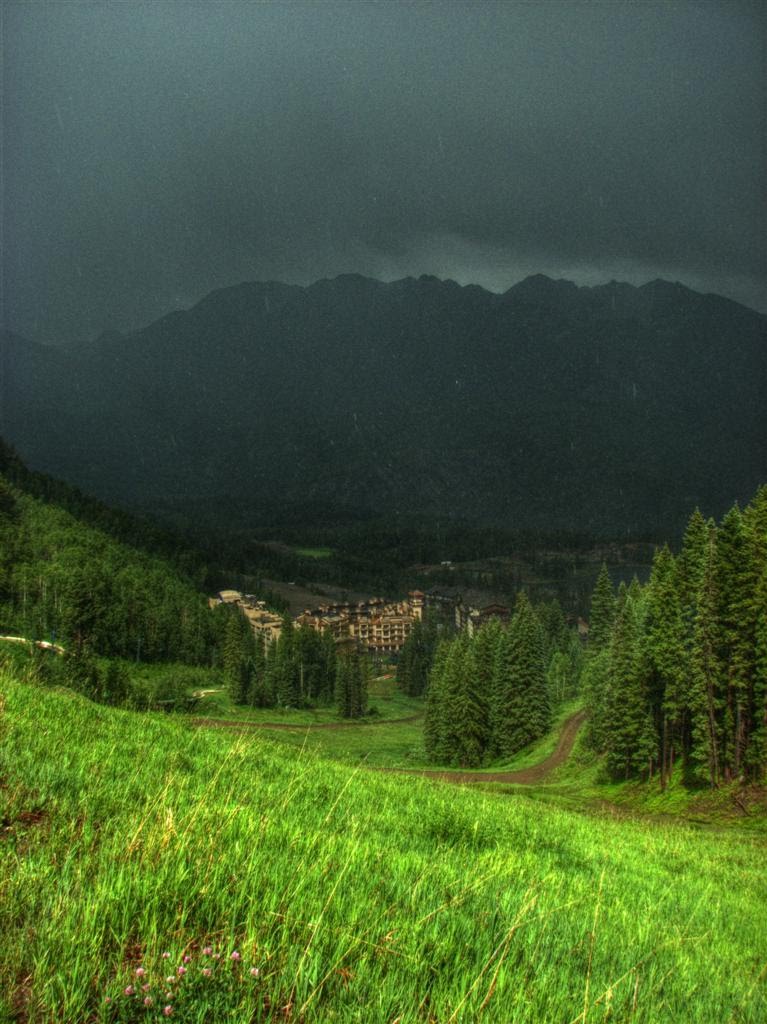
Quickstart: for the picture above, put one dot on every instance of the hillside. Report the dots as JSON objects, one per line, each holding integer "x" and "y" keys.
{"x": 611, "y": 409}
{"x": 71, "y": 570}
{"x": 238, "y": 881}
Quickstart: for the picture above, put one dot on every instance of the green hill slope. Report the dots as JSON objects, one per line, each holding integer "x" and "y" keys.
{"x": 348, "y": 895}
{"x": 70, "y": 570}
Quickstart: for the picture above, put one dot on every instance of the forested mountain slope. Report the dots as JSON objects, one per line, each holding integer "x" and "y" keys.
{"x": 66, "y": 579}
{"x": 603, "y": 409}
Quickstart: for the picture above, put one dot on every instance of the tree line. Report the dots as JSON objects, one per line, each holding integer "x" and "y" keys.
{"x": 676, "y": 671}
{"x": 490, "y": 694}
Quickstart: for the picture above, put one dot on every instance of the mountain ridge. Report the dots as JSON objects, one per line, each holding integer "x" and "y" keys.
{"x": 597, "y": 407}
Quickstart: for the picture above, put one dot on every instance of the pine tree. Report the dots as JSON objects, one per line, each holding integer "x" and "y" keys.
{"x": 520, "y": 710}
{"x": 343, "y": 692}
{"x": 755, "y": 630}
{"x": 596, "y": 688}
{"x": 756, "y": 754}
{"x": 667, "y": 661}
{"x": 351, "y": 686}
{"x": 466, "y": 707}
{"x": 705, "y": 682}
{"x": 434, "y": 737}
{"x": 329, "y": 667}
{"x": 359, "y": 678}
{"x": 734, "y": 584}
{"x": 631, "y": 738}
{"x": 691, "y": 562}
{"x": 483, "y": 656}
{"x": 416, "y": 657}
{"x": 258, "y": 693}
{"x": 235, "y": 655}
{"x": 602, "y": 611}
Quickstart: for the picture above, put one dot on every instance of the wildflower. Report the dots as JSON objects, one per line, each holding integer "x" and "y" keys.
{"x": 140, "y": 972}
{"x": 129, "y": 990}
{"x": 207, "y": 951}
{"x": 166, "y": 956}
{"x": 254, "y": 972}
{"x": 108, "y": 999}
{"x": 169, "y": 980}
{"x": 207, "y": 972}
{"x": 145, "y": 988}
{"x": 148, "y": 1001}
{"x": 181, "y": 971}
{"x": 187, "y": 958}
{"x": 235, "y": 956}
{"x": 216, "y": 956}
{"x": 167, "y": 1010}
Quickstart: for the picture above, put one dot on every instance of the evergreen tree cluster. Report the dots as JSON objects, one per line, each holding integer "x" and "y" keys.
{"x": 351, "y": 691}
{"x": 676, "y": 671}
{"x": 300, "y": 669}
{"x": 491, "y": 694}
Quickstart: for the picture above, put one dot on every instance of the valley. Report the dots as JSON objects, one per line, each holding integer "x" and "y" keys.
{"x": 200, "y": 824}
{"x": 383, "y": 512}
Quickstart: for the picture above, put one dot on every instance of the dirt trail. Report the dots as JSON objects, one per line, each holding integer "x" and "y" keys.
{"x": 536, "y": 773}
{"x": 225, "y": 723}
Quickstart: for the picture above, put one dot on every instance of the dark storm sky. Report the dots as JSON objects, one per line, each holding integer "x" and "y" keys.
{"x": 153, "y": 152}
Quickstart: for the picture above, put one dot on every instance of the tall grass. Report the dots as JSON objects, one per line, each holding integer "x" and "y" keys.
{"x": 355, "y": 896}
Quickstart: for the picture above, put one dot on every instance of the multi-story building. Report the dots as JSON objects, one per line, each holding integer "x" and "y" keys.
{"x": 376, "y": 625}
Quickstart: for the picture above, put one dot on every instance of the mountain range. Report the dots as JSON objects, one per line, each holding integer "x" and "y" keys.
{"x": 608, "y": 409}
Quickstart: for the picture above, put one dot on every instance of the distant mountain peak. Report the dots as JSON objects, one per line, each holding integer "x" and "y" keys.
{"x": 539, "y": 289}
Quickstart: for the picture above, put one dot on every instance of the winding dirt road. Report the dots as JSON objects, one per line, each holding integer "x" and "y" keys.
{"x": 525, "y": 776}
{"x": 536, "y": 773}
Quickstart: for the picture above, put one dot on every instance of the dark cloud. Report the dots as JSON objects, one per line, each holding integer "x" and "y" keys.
{"x": 156, "y": 151}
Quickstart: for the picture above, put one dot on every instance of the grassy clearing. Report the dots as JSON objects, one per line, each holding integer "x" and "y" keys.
{"x": 379, "y": 745}
{"x": 385, "y": 702}
{"x": 314, "y": 552}
{"x": 358, "y": 897}
{"x": 401, "y": 745}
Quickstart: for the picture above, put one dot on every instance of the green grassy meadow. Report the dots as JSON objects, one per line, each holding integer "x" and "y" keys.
{"x": 136, "y": 848}
{"x": 386, "y": 702}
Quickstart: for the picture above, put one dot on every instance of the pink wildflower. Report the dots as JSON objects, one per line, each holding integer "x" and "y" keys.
{"x": 166, "y": 956}
{"x": 129, "y": 990}
{"x": 145, "y": 988}
{"x": 254, "y": 972}
{"x": 216, "y": 956}
{"x": 140, "y": 972}
{"x": 235, "y": 956}
{"x": 167, "y": 1010}
{"x": 207, "y": 972}
{"x": 187, "y": 958}
{"x": 181, "y": 971}
{"x": 148, "y": 1001}
{"x": 207, "y": 951}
